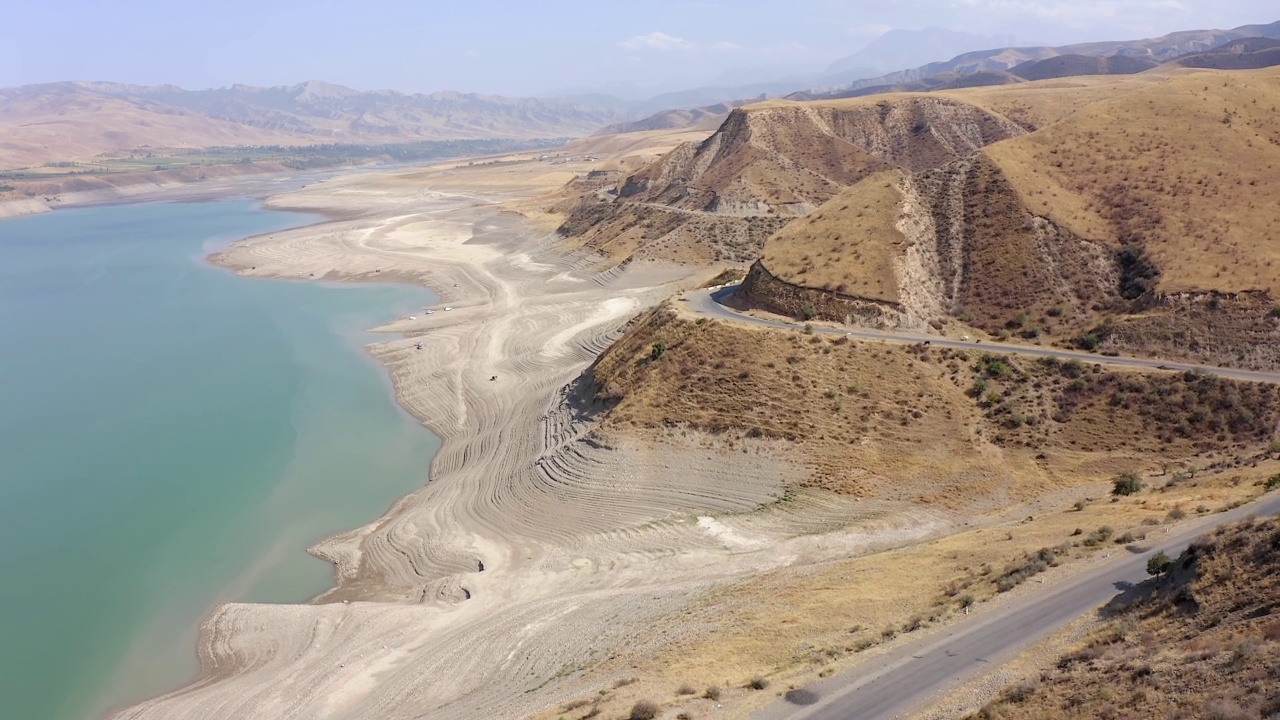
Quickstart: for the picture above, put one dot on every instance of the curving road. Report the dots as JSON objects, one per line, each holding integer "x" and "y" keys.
{"x": 708, "y": 303}
{"x": 909, "y": 678}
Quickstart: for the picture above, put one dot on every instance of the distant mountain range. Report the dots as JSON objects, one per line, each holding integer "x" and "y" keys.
{"x": 1002, "y": 60}
{"x": 75, "y": 121}
{"x": 81, "y": 120}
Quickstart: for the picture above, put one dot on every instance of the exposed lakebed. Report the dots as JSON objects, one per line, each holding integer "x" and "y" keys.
{"x": 172, "y": 436}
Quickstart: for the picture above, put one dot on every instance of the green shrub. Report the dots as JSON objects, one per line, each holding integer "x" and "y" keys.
{"x": 657, "y": 350}
{"x": 1273, "y": 482}
{"x": 1126, "y": 484}
{"x": 758, "y": 683}
{"x": 712, "y": 693}
{"x": 1159, "y": 564}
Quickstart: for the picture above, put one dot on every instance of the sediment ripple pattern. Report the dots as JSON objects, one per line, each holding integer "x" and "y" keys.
{"x": 537, "y": 551}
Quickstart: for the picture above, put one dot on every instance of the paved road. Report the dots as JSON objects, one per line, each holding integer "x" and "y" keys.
{"x": 911, "y": 676}
{"x": 708, "y": 303}
{"x": 907, "y": 679}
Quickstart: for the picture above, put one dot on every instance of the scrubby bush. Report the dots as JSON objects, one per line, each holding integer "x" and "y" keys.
{"x": 644, "y": 710}
{"x": 758, "y": 683}
{"x": 712, "y": 693}
{"x": 1126, "y": 484}
{"x": 1273, "y": 482}
{"x": 1088, "y": 341}
{"x": 656, "y": 351}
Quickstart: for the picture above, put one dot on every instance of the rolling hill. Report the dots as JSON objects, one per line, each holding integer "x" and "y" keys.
{"x": 768, "y": 163}
{"x": 1157, "y": 50}
{"x": 1127, "y": 213}
{"x": 73, "y": 121}
{"x": 1074, "y": 65}
{"x": 1132, "y": 219}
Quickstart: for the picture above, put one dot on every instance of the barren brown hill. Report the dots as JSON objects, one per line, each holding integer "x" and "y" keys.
{"x": 1204, "y": 643}
{"x": 1246, "y": 54}
{"x": 700, "y": 118}
{"x": 940, "y": 81}
{"x": 718, "y": 200}
{"x": 1073, "y": 65}
{"x": 1160, "y": 49}
{"x": 916, "y": 424}
{"x": 53, "y": 124}
{"x": 1134, "y": 217}
{"x": 70, "y": 121}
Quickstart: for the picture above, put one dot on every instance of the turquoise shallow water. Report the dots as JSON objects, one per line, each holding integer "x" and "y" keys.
{"x": 171, "y": 436}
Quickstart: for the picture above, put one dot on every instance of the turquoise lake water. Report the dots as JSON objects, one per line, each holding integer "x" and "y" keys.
{"x": 171, "y": 436}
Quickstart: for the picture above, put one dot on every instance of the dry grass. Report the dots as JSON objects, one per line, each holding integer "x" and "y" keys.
{"x": 794, "y": 625}
{"x": 848, "y": 245}
{"x": 1205, "y": 644}
{"x": 1190, "y": 167}
{"x": 770, "y": 164}
{"x": 917, "y": 424}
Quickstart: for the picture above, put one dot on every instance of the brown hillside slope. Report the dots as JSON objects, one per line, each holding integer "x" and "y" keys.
{"x": 67, "y": 125}
{"x": 1141, "y": 221}
{"x": 1072, "y": 65}
{"x": 916, "y": 424}
{"x": 78, "y": 121}
{"x": 1187, "y": 167}
{"x": 787, "y": 157}
{"x": 954, "y": 242}
{"x": 1204, "y": 644}
{"x": 769, "y": 162}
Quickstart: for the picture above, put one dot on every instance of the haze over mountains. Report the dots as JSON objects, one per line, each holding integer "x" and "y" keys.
{"x": 80, "y": 121}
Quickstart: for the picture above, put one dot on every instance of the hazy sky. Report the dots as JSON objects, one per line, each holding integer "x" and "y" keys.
{"x": 526, "y": 47}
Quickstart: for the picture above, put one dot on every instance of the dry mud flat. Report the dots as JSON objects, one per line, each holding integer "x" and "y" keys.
{"x": 537, "y": 552}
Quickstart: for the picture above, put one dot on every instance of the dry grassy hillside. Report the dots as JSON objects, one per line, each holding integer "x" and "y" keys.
{"x": 832, "y": 248}
{"x": 768, "y": 163}
{"x": 1204, "y": 644}
{"x": 38, "y": 127}
{"x": 1136, "y": 217}
{"x": 79, "y": 121}
{"x": 916, "y": 423}
{"x": 1188, "y": 168}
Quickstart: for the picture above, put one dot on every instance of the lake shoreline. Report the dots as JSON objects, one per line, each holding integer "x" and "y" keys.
{"x": 317, "y": 336}
{"x": 526, "y": 318}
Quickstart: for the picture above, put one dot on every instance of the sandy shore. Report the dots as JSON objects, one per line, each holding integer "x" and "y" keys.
{"x": 537, "y": 552}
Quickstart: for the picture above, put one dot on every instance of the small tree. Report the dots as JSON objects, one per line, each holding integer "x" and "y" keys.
{"x": 1159, "y": 564}
{"x": 809, "y": 312}
{"x": 1126, "y": 484}
{"x": 657, "y": 350}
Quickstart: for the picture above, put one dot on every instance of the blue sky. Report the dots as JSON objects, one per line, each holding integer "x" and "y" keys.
{"x": 520, "y": 48}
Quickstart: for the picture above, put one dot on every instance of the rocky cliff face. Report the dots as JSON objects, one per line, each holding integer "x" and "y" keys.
{"x": 778, "y": 161}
